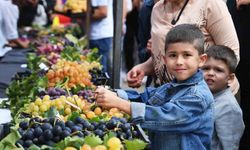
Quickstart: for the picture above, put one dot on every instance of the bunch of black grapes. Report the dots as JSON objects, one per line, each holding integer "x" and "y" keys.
{"x": 51, "y": 131}
{"x": 52, "y": 92}
{"x": 98, "y": 77}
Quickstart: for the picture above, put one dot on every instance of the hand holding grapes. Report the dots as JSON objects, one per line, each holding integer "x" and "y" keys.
{"x": 109, "y": 99}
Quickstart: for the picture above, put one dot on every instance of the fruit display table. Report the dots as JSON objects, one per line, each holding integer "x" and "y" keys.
{"x": 51, "y": 103}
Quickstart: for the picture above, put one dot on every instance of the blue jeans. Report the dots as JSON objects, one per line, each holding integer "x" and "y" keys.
{"x": 104, "y": 47}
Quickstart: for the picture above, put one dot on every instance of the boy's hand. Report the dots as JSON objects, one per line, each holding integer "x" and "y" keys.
{"x": 106, "y": 98}
{"x": 109, "y": 99}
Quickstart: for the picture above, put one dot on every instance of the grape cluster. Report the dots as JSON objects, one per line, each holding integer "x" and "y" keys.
{"x": 51, "y": 131}
{"x": 52, "y": 92}
{"x": 87, "y": 94}
{"x": 98, "y": 77}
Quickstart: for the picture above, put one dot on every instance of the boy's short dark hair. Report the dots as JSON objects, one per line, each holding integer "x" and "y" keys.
{"x": 225, "y": 54}
{"x": 186, "y": 33}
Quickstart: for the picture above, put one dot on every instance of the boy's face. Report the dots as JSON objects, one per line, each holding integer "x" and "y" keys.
{"x": 183, "y": 60}
{"x": 216, "y": 74}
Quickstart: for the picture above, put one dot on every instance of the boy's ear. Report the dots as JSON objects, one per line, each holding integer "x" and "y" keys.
{"x": 203, "y": 59}
{"x": 231, "y": 78}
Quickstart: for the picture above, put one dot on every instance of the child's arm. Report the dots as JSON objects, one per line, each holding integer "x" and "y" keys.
{"x": 180, "y": 116}
{"x": 109, "y": 99}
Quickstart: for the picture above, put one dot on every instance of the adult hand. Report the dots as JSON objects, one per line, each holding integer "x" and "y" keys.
{"x": 135, "y": 77}
{"x": 242, "y": 2}
{"x": 149, "y": 45}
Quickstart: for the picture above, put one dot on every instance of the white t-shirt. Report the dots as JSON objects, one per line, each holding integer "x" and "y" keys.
{"x": 102, "y": 28}
{"x": 41, "y": 16}
{"x": 9, "y": 14}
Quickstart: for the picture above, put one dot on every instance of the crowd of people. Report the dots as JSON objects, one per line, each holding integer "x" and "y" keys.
{"x": 194, "y": 53}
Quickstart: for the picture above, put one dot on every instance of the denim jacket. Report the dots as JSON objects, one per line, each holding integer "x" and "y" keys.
{"x": 178, "y": 116}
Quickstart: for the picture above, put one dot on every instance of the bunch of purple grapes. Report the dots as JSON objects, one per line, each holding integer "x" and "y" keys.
{"x": 87, "y": 94}
{"x": 52, "y": 92}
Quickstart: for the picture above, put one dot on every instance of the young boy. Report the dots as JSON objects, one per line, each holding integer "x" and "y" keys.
{"x": 178, "y": 115}
{"x": 218, "y": 73}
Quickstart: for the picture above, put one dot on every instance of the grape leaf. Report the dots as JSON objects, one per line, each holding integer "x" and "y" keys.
{"x": 135, "y": 144}
{"x": 73, "y": 116}
{"x": 70, "y": 141}
{"x": 8, "y": 143}
{"x": 51, "y": 113}
{"x": 92, "y": 140}
{"x": 71, "y": 38}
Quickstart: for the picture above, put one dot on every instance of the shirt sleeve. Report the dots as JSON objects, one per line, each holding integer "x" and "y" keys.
{"x": 96, "y": 3}
{"x": 10, "y": 19}
{"x": 220, "y": 25}
{"x": 229, "y": 127}
{"x": 179, "y": 116}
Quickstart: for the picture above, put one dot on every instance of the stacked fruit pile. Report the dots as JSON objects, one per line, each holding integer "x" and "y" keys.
{"x": 50, "y": 131}
{"x": 75, "y": 6}
{"x": 54, "y": 106}
{"x": 75, "y": 73}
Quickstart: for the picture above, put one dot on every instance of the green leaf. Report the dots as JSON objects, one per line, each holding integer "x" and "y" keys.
{"x": 71, "y": 38}
{"x": 70, "y": 141}
{"x": 135, "y": 144}
{"x": 73, "y": 116}
{"x": 82, "y": 42}
{"x": 92, "y": 140}
{"x": 51, "y": 113}
{"x": 8, "y": 143}
{"x": 34, "y": 147}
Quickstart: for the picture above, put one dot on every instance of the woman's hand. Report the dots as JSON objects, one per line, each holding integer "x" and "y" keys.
{"x": 149, "y": 45}
{"x": 242, "y": 2}
{"x": 135, "y": 76}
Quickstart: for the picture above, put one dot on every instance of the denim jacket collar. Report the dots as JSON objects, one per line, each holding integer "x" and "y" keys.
{"x": 197, "y": 77}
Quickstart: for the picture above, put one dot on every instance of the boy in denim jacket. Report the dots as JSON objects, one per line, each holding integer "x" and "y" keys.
{"x": 178, "y": 115}
{"x": 218, "y": 73}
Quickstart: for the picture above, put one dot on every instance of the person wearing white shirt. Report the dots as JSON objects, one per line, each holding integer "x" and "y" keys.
{"x": 8, "y": 27}
{"x": 101, "y": 29}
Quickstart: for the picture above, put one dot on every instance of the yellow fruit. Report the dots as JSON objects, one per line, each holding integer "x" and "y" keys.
{"x": 85, "y": 147}
{"x": 83, "y": 116}
{"x": 36, "y": 108}
{"x": 118, "y": 114}
{"x": 67, "y": 111}
{"x": 98, "y": 110}
{"x": 70, "y": 148}
{"x": 114, "y": 143}
{"x": 46, "y": 98}
{"x": 43, "y": 108}
{"x": 100, "y": 147}
{"x": 35, "y": 114}
{"x": 90, "y": 114}
{"x": 38, "y": 101}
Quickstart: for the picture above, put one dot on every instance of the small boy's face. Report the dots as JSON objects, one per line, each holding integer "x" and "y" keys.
{"x": 183, "y": 60}
{"x": 217, "y": 74}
